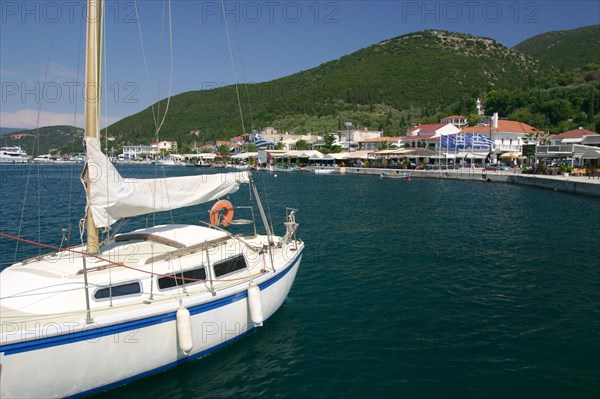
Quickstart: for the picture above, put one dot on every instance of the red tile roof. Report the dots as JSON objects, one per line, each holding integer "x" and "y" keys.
{"x": 503, "y": 126}
{"x": 427, "y": 128}
{"x": 423, "y": 137}
{"x": 455, "y": 117}
{"x": 380, "y": 139}
{"x": 574, "y": 134}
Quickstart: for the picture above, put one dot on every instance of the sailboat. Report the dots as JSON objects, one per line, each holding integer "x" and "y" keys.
{"x": 91, "y": 317}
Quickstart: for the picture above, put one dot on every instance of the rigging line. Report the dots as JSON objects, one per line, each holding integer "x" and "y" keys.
{"x": 237, "y": 39}
{"x": 160, "y": 60}
{"x": 36, "y": 141}
{"x": 237, "y": 91}
{"x": 168, "y": 100}
{"x": 104, "y": 63}
{"x": 170, "y": 68}
{"x": 72, "y": 168}
{"x": 139, "y": 25}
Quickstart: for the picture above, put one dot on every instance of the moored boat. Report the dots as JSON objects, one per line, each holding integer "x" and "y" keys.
{"x": 323, "y": 171}
{"x": 395, "y": 175}
{"x": 13, "y": 155}
{"x": 87, "y": 318}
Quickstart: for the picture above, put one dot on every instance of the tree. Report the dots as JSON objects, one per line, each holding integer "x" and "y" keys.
{"x": 383, "y": 145}
{"x": 302, "y": 145}
{"x": 557, "y": 110}
{"x": 185, "y": 149}
{"x": 279, "y": 145}
{"x": 223, "y": 150}
{"x": 329, "y": 147}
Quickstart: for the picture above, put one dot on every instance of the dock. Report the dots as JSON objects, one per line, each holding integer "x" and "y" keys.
{"x": 584, "y": 185}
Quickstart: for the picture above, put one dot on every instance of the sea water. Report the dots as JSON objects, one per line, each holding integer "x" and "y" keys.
{"x": 419, "y": 289}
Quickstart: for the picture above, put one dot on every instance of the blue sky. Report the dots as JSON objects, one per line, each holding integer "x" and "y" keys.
{"x": 41, "y": 58}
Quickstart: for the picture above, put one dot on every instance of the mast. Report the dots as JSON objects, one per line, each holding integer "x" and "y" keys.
{"x": 92, "y": 101}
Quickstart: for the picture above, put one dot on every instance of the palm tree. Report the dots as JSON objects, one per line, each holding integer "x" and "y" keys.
{"x": 223, "y": 150}
{"x": 279, "y": 145}
{"x": 383, "y": 145}
{"x": 302, "y": 145}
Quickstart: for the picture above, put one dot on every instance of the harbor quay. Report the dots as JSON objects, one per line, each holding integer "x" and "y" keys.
{"x": 586, "y": 185}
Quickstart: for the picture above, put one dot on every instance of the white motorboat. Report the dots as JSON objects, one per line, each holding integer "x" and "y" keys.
{"x": 87, "y": 318}
{"x": 47, "y": 158}
{"x": 395, "y": 175}
{"x": 323, "y": 171}
{"x": 13, "y": 155}
{"x": 170, "y": 161}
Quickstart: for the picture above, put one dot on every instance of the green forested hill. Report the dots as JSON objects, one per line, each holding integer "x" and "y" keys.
{"x": 63, "y": 139}
{"x": 385, "y": 86}
{"x": 566, "y": 49}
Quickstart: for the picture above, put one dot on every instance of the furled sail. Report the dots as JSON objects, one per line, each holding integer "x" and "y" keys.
{"x": 113, "y": 197}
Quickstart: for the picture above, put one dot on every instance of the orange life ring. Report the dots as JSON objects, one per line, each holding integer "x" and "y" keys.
{"x": 215, "y": 211}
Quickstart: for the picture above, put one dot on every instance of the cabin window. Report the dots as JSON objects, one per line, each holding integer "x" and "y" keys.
{"x": 175, "y": 279}
{"x": 230, "y": 266}
{"x": 119, "y": 291}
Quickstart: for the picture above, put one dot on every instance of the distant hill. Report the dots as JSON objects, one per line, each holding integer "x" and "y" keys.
{"x": 383, "y": 86}
{"x": 566, "y": 49}
{"x": 49, "y": 138}
{"x": 9, "y": 130}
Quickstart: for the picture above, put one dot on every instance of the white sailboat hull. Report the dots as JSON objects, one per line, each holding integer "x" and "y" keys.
{"x": 80, "y": 361}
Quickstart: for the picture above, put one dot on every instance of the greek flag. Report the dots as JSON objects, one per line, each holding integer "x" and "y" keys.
{"x": 260, "y": 141}
{"x": 466, "y": 140}
{"x": 448, "y": 141}
{"x": 480, "y": 141}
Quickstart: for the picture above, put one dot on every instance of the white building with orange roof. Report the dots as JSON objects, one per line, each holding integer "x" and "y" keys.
{"x": 165, "y": 145}
{"x": 508, "y": 136}
{"x": 578, "y": 148}
{"x": 433, "y": 129}
{"x": 576, "y": 136}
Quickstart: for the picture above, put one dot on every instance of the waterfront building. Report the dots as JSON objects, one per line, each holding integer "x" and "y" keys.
{"x": 577, "y": 148}
{"x": 457, "y": 120}
{"x": 508, "y": 136}
{"x": 373, "y": 143}
{"x": 576, "y": 136}
{"x": 164, "y": 146}
{"x": 137, "y": 151}
{"x": 433, "y": 129}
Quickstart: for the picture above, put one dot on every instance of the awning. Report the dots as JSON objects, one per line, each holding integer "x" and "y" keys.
{"x": 245, "y": 155}
{"x": 472, "y": 155}
{"x": 511, "y": 155}
{"x": 202, "y": 155}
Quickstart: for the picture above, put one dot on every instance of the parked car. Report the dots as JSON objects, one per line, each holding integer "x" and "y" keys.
{"x": 497, "y": 166}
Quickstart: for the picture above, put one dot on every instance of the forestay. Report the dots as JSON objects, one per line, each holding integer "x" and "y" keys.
{"x": 113, "y": 197}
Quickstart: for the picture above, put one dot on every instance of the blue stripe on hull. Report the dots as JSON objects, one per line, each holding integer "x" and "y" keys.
{"x": 96, "y": 333}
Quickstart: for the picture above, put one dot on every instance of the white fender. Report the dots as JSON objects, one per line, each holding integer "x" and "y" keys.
{"x": 255, "y": 305}
{"x": 184, "y": 330}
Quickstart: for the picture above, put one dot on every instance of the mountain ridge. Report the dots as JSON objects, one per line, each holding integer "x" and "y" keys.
{"x": 565, "y": 49}
{"x": 411, "y": 76}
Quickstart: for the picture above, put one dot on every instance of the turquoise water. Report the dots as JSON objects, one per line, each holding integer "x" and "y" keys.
{"x": 407, "y": 289}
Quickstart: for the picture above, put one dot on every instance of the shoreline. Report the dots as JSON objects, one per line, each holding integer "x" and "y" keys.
{"x": 582, "y": 185}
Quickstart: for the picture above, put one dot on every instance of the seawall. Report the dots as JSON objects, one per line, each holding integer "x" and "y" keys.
{"x": 571, "y": 184}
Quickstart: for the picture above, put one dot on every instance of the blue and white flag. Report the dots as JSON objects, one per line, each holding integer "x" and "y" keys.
{"x": 480, "y": 141}
{"x": 466, "y": 140}
{"x": 260, "y": 141}
{"x": 448, "y": 141}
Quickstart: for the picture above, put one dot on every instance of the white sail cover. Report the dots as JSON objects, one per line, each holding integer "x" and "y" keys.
{"x": 113, "y": 197}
